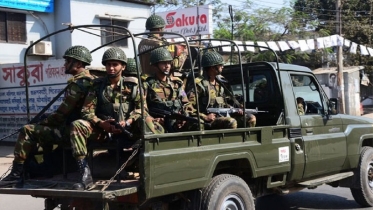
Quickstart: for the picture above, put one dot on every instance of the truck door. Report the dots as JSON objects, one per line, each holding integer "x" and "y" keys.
{"x": 323, "y": 139}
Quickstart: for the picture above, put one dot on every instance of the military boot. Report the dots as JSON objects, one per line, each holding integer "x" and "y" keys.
{"x": 14, "y": 177}
{"x": 85, "y": 179}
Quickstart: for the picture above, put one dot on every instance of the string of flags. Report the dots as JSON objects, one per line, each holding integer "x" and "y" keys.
{"x": 302, "y": 45}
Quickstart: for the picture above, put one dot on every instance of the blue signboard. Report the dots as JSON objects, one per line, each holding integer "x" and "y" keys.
{"x": 33, "y": 5}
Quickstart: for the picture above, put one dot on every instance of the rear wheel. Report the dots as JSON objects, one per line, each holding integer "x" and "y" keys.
{"x": 363, "y": 192}
{"x": 227, "y": 192}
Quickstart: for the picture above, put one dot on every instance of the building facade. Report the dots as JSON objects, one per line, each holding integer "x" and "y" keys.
{"x": 22, "y": 23}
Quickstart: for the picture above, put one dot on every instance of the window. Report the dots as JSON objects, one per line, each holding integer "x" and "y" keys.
{"x": 111, "y": 34}
{"x": 13, "y": 27}
{"x": 306, "y": 92}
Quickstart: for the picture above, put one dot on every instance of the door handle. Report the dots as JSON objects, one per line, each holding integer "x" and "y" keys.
{"x": 309, "y": 130}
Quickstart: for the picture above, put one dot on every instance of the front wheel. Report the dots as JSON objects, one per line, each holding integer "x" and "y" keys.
{"x": 227, "y": 192}
{"x": 363, "y": 192}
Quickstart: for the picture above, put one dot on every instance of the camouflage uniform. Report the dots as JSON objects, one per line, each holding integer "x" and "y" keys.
{"x": 55, "y": 127}
{"x": 215, "y": 96}
{"x": 179, "y": 52}
{"x": 121, "y": 104}
{"x": 168, "y": 95}
{"x": 212, "y": 96}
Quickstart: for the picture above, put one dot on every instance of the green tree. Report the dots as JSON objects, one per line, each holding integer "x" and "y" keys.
{"x": 356, "y": 22}
{"x": 264, "y": 24}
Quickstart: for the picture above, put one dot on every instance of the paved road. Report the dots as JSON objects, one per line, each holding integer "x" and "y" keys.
{"x": 15, "y": 202}
{"x": 323, "y": 197}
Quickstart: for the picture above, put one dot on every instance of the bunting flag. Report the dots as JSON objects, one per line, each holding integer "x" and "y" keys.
{"x": 370, "y": 50}
{"x": 300, "y": 45}
{"x": 283, "y": 45}
{"x": 327, "y": 42}
{"x": 363, "y": 50}
{"x": 353, "y": 48}
{"x": 303, "y": 45}
{"x": 311, "y": 44}
{"x": 273, "y": 46}
{"x": 293, "y": 44}
{"x": 320, "y": 43}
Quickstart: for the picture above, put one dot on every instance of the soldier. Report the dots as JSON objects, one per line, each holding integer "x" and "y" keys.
{"x": 213, "y": 93}
{"x": 111, "y": 99}
{"x": 165, "y": 92}
{"x": 131, "y": 70}
{"x": 156, "y": 23}
{"x": 54, "y": 129}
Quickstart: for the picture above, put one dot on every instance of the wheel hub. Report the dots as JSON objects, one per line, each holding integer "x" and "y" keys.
{"x": 233, "y": 202}
{"x": 370, "y": 175}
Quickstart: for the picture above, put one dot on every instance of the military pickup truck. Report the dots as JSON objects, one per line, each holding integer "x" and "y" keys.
{"x": 228, "y": 169}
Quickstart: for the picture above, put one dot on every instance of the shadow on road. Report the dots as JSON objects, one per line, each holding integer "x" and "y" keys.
{"x": 305, "y": 200}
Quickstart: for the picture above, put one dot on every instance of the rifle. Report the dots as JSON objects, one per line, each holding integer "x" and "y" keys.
{"x": 170, "y": 115}
{"x": 116, "y": 124}
{"x": 228, "y": 111}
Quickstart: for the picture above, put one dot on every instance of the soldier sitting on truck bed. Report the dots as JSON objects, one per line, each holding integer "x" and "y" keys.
{"x": 113, "y": 103}
{"x": 165, "y": 93}
{"x": 213, "y": 93}
{"x": 54, "y": 129}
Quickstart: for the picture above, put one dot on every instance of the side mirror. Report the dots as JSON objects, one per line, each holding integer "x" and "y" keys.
{"x": 333, "y": 106}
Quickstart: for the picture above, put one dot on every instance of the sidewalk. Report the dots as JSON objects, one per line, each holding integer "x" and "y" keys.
{"x": 6, "y": 158}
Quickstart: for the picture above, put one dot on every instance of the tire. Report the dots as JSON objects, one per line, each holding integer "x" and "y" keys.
{"x": 225, "y": 192}
{"x": 363, "y": 192}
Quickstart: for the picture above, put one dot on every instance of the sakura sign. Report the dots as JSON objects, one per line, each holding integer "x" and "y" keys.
{"x": 189, "y": 21}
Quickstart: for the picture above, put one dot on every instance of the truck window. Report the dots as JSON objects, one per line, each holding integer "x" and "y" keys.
{"x": 259, "y": 89}
{"x": 305, "y": 87}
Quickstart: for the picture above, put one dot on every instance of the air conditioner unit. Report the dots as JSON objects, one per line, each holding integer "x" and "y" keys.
{"x": 41, "y": 48}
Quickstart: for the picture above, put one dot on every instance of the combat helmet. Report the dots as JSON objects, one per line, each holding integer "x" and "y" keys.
{"x": 79, "y": 53}
{"x": 154, "y": 21}
{"x": 131, "y": 67}
{"x": 114, "y": 53}
{"x": 211, "y": 58}
{"x": 159, "y": 55}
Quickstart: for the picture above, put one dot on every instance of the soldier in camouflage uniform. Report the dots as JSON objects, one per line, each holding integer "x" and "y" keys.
{"x": 111, "y": 99}
{"x": 165, "y": 92}
{"x": 212, "y": 93}
{"x": 54, "y": 129}
{"x": 156, "y": 23}
{"x": 131, "y": 70}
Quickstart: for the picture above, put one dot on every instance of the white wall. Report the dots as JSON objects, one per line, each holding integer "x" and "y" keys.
{"x": 62, "y": 14}
{"x": 92, "y": 8}
{"x": 77, "y": 12}
{"x": 37, "y": 26}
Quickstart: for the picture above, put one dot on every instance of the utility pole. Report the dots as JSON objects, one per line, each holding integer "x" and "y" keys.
{"x": 340, "y": 61}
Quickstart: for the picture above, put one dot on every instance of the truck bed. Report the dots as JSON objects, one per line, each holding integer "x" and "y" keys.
{"x": 61, "y": 187}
